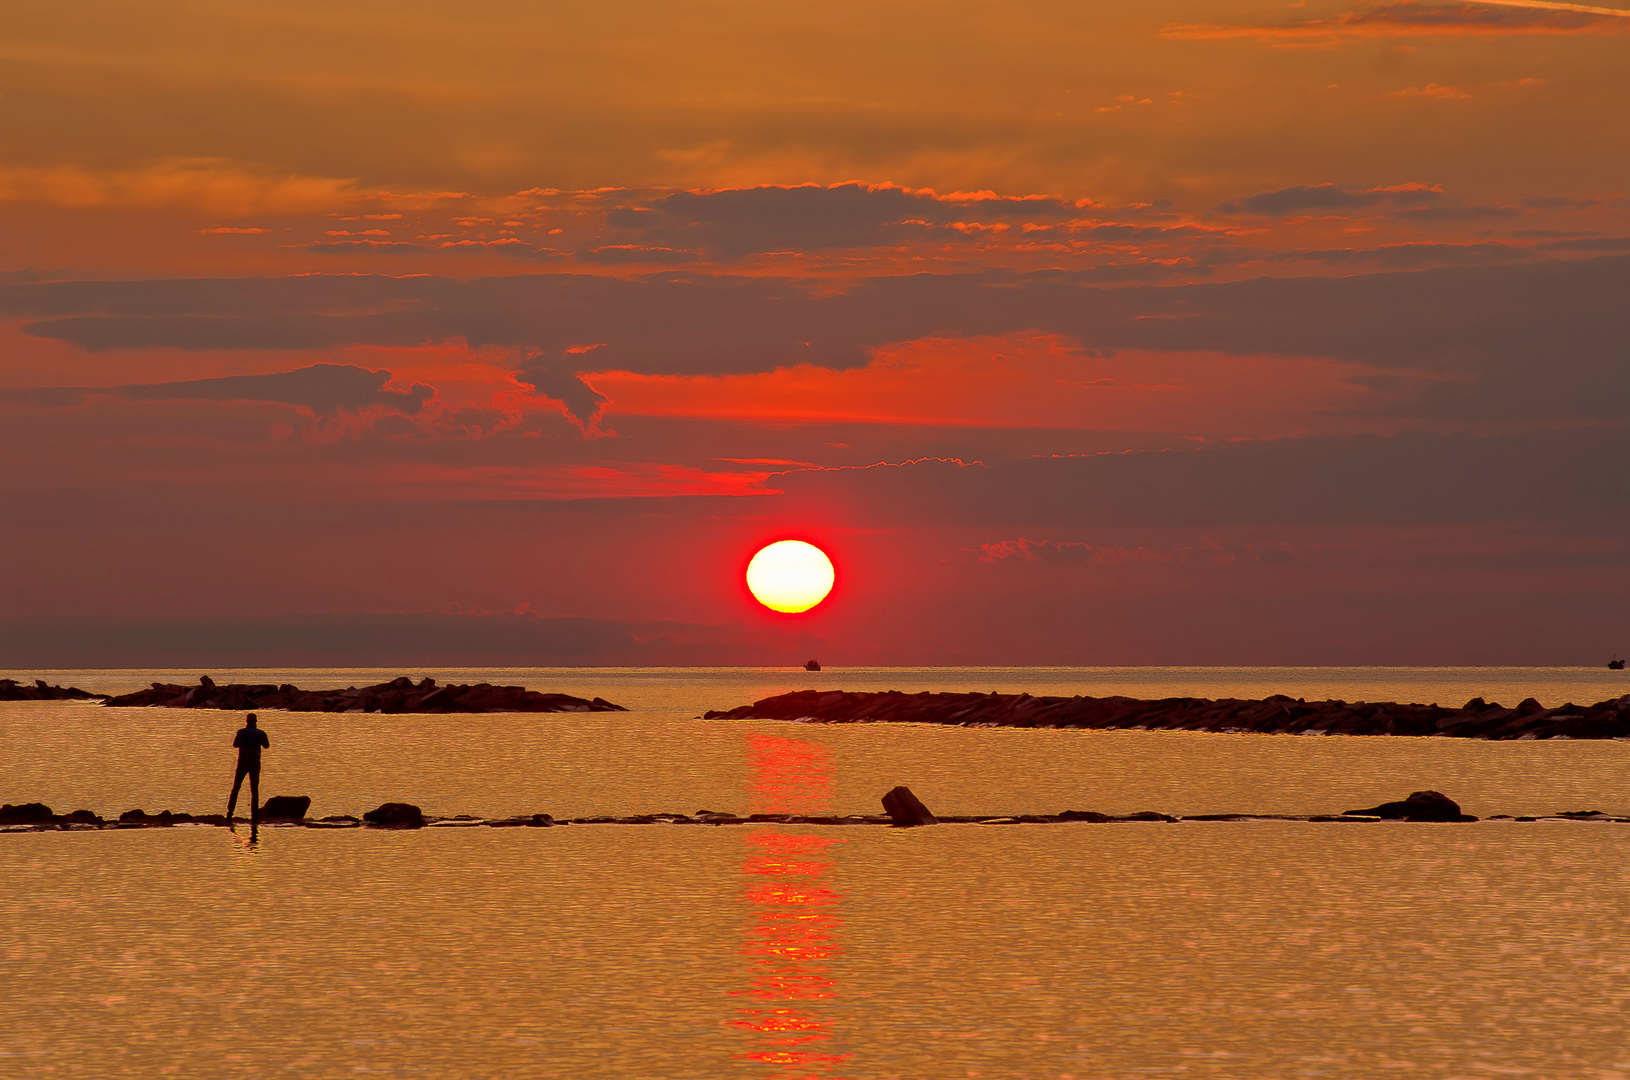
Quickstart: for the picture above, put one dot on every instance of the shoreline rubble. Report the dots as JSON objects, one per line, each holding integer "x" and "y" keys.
{"x": 1275, "y": 715}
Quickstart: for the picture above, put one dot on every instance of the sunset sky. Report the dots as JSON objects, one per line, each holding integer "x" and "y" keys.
{"x": 1198, "y": 331}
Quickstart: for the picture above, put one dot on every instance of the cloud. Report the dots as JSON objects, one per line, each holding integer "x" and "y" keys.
{"x": 1544, "y": 336}
{"x": 214, "y": 186}
{"x": 323, "y": 389}
{"x": 1209, "y": 550}
{"x": 1399, "y": 256}
{"x": 364, "y": 247}
{"x": 736, "y": 222}
{"x": 1435, "y": 91}
{"x": 556, "y": 379}
{"x": 1399, "y": 479}
{"x": 1485, "y": 18}
{"x": 625, "y": 254}
{"x": 1065, "y": 552}
{"x": 1316, "y": 198}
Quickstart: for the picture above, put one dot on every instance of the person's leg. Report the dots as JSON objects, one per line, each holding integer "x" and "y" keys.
{"x": 254, "y": 794}
{"x": 237, "y": 782}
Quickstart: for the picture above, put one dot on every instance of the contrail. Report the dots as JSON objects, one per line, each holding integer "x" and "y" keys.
{"x": 1548, "y": 5}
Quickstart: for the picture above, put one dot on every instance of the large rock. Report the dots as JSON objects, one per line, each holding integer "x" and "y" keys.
{"x": 906, "y": 809}
{"x": 28, "y": 813}
{"x": 285, "y": 807}
{"x": 396, "y": 815}
{"x": 1420, "y": 806}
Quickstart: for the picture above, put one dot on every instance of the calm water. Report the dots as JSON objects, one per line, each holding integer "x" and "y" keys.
{"x": 1230, "y": 950}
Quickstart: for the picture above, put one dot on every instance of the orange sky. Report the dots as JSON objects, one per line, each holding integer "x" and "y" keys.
{"x": 557, "y": 308}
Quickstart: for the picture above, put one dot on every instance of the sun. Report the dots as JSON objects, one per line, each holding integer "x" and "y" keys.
{"x": 790, "y": 576}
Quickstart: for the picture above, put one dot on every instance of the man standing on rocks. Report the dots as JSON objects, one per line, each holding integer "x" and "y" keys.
{"x": 249, "y": 741}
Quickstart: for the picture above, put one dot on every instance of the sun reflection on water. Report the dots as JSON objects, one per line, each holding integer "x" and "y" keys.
{"x": 793, "y": 917}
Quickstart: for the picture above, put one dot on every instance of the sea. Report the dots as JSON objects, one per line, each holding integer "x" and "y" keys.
{"x": 1248, "y": 950}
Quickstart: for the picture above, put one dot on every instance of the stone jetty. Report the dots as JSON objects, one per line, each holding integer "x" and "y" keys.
{"x": 1276, "y": 715}
{"x": 401, "y": 695}
{"x": 902, "y": 809}
{"x": 12, "y": 690}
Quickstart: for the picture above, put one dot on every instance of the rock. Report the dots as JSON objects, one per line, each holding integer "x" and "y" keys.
{"x": 30, "y": 813}
{"x": 395, "y": 815}
{"x": 285, "y": 807}
{"x": 139, "y": 818}
{"x": 81, "y": 817}
{"x": 906, "y": 809}
{"x": 1420, "y": 806}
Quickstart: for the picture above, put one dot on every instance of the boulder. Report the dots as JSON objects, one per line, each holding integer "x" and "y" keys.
{"x": 28, "y": 813}
{"x": 139, "y": 817}
{"x": 395, "y": 815}
{"x": 1420, "y": 806}
{"x": 285, "y": 807}
{"x": 906, "y": 809}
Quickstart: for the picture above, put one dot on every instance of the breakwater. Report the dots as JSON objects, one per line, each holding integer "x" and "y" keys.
{"x": 401, "y": 695}
{"x": 36, "y": 817}
{"x": 40, "y": 690}
{"x": 1276, "y": 715}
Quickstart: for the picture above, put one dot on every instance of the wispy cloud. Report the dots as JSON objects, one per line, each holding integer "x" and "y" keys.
{"x": 1411, "y": 19}
{"x": 1547, "y": 5}
{"x": 213, "y": 185}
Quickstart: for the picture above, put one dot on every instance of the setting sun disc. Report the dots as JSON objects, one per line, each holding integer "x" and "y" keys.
{"x": 790, "y": 576}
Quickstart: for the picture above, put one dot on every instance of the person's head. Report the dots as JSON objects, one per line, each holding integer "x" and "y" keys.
{"x": 250, "y": 721}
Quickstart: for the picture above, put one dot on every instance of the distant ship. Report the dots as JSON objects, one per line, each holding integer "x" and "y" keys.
{"x": 815, "y": 665}
{"x": 1615, "y": 665}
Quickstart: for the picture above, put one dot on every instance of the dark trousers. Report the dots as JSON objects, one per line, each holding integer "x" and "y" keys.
{"x": 253, "y": 773}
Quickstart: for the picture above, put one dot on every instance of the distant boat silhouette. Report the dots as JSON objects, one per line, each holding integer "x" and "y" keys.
{"x": 815, "y": 665}
{"x": 1615, "y": 665}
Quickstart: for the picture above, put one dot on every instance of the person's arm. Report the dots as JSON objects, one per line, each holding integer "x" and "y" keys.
{"x": 265, "y": 740}
{"x": 237, "y": 740}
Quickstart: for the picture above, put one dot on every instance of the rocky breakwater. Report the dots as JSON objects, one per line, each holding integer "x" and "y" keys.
{"x": 1277, "y": 715}
{"x": 12, "y": 690}
{"x": 401, "y": 695}
{"x": 903, "y": 809}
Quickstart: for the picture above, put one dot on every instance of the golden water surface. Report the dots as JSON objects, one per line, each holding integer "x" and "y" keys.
{"x": 1249, "y": 950}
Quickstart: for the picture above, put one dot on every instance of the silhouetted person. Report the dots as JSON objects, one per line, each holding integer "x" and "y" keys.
{"x": 249, "y": 741}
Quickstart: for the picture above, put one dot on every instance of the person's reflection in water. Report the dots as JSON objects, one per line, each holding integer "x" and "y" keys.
{"x": 252, "y": 843}
{"x": 249, "y": 740}
{"x": 793, "y": 918}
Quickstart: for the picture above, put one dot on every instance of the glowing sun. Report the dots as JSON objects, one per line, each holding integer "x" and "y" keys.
{"x": 790, "y": 576}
